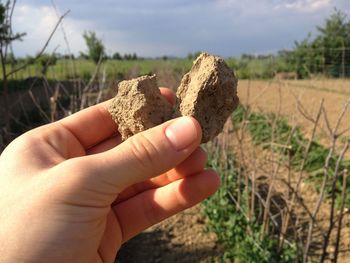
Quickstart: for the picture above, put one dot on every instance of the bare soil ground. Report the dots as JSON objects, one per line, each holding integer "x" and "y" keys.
{"x": 181, "y": 238}
{"x": 281, "y": 97}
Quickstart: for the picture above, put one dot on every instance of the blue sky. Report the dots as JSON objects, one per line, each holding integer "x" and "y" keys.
{"x": 174, "y": 27}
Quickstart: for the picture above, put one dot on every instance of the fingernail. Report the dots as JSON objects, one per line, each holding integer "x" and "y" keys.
{"x": 181, "y": 133}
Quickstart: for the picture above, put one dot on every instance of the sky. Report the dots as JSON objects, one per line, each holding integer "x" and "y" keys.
{"x": 154, "y": 28}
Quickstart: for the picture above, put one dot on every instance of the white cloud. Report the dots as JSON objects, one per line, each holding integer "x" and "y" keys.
{"x": 306, "y": 5}
{"x": 38, "y": 22}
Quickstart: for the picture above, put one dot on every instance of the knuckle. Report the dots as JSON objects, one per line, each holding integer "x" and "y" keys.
{"x": 144, "y": 151}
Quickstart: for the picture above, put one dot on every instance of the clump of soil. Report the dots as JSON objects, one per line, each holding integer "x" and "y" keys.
{"x": 139, "y": 106}
{"x": 208, "y": 93}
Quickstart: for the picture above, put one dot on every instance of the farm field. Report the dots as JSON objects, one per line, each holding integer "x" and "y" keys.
{"x": 267, "y": 162}
{"x": 282, "y": 97}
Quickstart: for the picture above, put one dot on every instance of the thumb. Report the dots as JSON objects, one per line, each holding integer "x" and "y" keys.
{"x": 145, "y": 155}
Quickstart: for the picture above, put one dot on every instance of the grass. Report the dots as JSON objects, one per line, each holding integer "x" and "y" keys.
{"x": 81, "y": 68}
{"x": 65, "y": 69}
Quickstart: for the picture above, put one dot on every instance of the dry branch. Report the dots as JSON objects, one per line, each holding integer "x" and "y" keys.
{"x": 41, "y": 52}
{"x": 341, "y": 215}
{"x": 333, "y": 137}
{"x": 333, "y": 197}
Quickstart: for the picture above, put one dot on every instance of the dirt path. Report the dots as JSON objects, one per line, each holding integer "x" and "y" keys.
{"x": 180, "y": 238}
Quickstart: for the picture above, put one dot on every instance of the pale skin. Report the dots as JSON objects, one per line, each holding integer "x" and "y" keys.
{"x": 70, "y": 191}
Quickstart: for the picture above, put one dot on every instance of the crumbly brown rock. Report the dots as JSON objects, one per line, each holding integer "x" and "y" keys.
{"x": 139, "y": 106}
{"x": 209, "y": 94}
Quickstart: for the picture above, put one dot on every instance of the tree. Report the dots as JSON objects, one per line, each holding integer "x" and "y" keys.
{"x": 329, "y": 52}
{"x": 45, "y": 61}
{"x": 117, "y": 56}
{"x": 127, "y": 56}
{"x": 6, "y": 38}
{"x": 29, "y": 60}
{"x": 96, "y": 49}
{"x": 334, "y": 37}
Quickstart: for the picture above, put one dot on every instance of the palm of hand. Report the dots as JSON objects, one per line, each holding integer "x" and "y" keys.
{"x": 74, "y": 193}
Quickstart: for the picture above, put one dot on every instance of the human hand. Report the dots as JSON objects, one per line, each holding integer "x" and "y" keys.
{"x": 72, "y": 192}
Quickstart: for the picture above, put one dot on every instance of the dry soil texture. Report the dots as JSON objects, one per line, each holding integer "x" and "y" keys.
{"x": 180, "y": 238}
{"x": 209, "y": 94}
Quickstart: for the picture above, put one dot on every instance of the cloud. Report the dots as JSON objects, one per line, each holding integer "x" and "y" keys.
{"x": 38, "y": 23}
{"x": 306, "y": 5}
{"x": 174, "y": 27}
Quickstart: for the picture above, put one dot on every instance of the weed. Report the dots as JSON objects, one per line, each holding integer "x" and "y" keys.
{"x": 241, "y": 237}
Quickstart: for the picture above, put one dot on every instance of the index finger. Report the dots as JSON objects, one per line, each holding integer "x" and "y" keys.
{"x": 91, "y": 125}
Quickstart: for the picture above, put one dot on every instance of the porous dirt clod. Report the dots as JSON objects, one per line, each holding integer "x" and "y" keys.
{"x": 139, "y": 106}
{"x": 209, "y": 94}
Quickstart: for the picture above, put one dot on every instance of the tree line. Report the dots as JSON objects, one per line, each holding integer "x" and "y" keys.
{"x": 327, "y": 54}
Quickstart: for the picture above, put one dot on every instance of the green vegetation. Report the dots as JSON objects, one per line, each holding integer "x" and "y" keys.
{"x": 262, "y": 67}
{"x": 120, "y": 68}
{"x": 115, "y": 69}
{"x": 258, "y": 67}
{"x": 7, "y": 36}
{"x": 242, "y": 238}
{"x": 328, "y": 53}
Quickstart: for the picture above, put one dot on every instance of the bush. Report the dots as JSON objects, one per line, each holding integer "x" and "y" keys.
{"x": 96, "y": 49}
